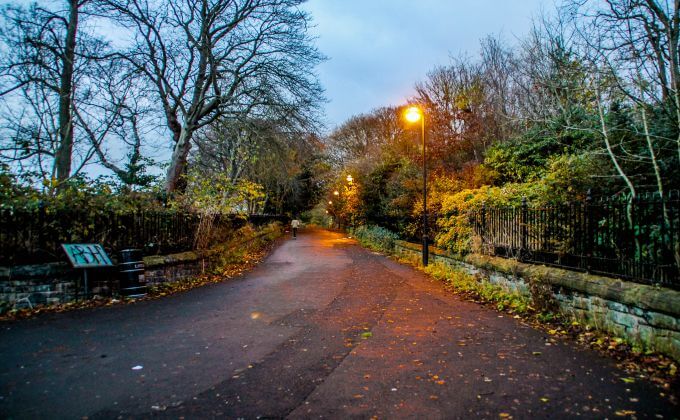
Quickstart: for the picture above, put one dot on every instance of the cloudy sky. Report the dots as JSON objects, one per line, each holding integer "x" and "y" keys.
{"x": 378, "y": 49}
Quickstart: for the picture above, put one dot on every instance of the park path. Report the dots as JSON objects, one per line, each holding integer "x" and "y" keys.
{"x": 322, "y": 328}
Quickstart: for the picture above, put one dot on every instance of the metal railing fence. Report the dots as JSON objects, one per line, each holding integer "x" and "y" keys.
{"x": 634, "y": 239}
{"x": 35, "y": 235}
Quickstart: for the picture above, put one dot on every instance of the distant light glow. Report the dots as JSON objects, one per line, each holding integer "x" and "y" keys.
{"x": 330, "y": 202}
{"x": 349, "y": 178}
{"x": 413, "y": 114}
{"x": 336, "y": 192}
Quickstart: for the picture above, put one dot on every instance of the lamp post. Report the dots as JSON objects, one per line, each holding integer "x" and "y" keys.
{"x": 349, "y": 195}
{"x": 414, "y": 114}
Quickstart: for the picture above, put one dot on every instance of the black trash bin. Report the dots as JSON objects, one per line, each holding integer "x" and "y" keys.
{"x": 132, "y": 281}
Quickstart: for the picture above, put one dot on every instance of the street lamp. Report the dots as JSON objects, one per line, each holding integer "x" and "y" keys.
{"x": 336, "y": 193}
{"x": 414, "y": 114}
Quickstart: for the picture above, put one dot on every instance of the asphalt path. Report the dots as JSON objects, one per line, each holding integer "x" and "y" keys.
{"x": 322, "y": 328}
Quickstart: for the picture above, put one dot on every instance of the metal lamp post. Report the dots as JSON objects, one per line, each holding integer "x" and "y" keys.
{"x": 414, "y": 114}
{"x": 350, "y": 181}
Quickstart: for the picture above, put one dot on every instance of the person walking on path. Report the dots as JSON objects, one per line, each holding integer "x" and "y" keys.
{"x": 295, "y": 224}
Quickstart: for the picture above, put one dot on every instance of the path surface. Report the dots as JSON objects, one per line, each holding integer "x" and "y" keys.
{"x": 322, "y": 328}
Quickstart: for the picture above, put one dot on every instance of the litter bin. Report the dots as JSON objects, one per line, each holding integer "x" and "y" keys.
{"x": 132, "y": 281}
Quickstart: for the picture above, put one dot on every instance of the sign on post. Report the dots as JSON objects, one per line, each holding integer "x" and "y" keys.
{"x": 87, "y": 255}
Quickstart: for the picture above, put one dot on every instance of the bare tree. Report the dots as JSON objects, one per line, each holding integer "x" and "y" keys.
{"x": 112, "y": 114}
{"x": 229, "y": 146}
{"x": 638, "y": 40}
{"x": 208, "y": 59}
{"x": 459, "y": 112}
{"x": 364, "y": 135}
{"x": 56, "y": 86}
{"x": 501, "y": 90}
{"x": 261, "y": 152}
{"x": 68, "y": 58}
{"x": 40, "y": 59}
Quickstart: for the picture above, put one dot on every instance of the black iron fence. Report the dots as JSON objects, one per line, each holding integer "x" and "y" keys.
{"x": 35, "y": 235}
{"x": 633, "y": 239}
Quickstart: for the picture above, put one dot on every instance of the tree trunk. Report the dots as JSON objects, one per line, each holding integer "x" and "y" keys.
{"x": 65, "y": 150}
{"x": 178, "y": 162}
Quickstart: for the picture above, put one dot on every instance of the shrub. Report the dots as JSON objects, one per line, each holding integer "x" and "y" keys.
{"x": 455, "y": 231}
{"x": 376, "y": 237}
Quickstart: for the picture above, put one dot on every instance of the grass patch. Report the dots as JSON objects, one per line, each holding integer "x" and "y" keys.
{"x": 474, "y": 288}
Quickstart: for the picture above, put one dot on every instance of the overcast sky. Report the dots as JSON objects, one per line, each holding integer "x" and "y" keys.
{"x": 378, "y": 49}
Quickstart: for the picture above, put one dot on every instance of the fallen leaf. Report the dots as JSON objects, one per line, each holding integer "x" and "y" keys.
{"x": 624, "y": 413}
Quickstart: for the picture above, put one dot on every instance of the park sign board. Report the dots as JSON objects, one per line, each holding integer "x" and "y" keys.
{"x": 87, "y": 255}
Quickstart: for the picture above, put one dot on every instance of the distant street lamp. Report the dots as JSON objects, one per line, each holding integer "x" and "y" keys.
{"x": 336, "y": 193}
{"x": 330, "y": 202}
{"x": 414, "y": 114}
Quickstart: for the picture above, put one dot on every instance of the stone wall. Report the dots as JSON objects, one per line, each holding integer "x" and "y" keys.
{"x": 646, "y": 316}
{"x": 37, "y": 284}
{"x": 46, "y": 284}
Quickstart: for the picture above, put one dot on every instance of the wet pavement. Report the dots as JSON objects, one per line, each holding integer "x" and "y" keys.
{"x": 322, "y": 328}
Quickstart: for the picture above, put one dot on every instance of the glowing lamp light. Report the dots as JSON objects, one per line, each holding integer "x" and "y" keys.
{"x": 336, "y": 193}
{"x": 413, "y": 114}
{"x": 349, "y": 178}
{"x": 330, "y": 202}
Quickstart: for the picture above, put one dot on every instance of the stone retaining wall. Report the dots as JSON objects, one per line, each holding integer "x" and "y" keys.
{"x": 45, "y": 284}
{"x": 33, "y": 285}
{"x": 646, "y": 316}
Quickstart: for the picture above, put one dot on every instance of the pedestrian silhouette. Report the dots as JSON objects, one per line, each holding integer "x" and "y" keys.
{"x": 295, "y": 224}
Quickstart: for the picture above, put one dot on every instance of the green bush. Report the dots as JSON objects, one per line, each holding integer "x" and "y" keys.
{"x": 376, "y": 237}
{"x": 455, "y": 230}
